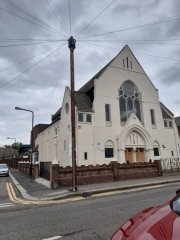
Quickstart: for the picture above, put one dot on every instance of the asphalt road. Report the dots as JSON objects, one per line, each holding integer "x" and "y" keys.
{"x": 92, "y": 218}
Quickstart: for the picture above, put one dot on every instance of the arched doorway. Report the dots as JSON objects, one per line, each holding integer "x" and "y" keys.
{"x": 135, "y": 146}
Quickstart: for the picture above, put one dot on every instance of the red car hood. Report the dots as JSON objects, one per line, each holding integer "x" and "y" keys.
{"x": 157, "y": 223}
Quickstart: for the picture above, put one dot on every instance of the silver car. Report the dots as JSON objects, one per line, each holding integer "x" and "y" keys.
{"x": 4, "y": 170}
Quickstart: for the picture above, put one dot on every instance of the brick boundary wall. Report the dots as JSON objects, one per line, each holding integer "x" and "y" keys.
{"x": 62, "y": 177}
{"x": 13, "y": 162}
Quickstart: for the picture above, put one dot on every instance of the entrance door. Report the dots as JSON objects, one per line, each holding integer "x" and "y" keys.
{"x": 129, "y": 155}
{"x": 140, "y": 154}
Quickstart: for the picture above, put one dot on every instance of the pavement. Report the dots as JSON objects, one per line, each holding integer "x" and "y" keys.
{"x": 39, "y": 189}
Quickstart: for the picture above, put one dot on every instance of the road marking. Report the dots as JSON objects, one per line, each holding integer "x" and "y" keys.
{"x": 3, "y": 205}
{"x": 12, "y": 196}
{"x": 126, "y": 191}
{"x": 53, "y": 238}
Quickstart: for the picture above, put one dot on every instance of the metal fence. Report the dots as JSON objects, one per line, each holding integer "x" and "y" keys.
{"x": 170, "y": 165}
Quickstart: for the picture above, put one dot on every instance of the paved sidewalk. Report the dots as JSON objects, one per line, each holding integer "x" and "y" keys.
{"x": 39, "y": 189}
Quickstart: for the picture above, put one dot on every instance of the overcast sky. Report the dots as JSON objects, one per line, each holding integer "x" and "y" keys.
{"x": 34, "y": 53}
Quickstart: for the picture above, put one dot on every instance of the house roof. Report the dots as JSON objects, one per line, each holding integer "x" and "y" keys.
{"x": 177, "y": 121}
{"x": 55, "y": 117}
{"x": 83, "y": 102}
{"x": 166, "y": 113}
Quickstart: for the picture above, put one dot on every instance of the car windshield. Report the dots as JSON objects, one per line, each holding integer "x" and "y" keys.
{"x": 175, "y": 205}
{"x": 3, "y": 166}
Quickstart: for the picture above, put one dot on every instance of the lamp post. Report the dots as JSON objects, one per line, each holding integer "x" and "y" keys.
{"x": 31, "y": 142}
{"x": 14, "y": 149}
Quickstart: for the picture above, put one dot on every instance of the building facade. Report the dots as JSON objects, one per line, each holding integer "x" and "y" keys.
{"x": 118, "y": 118}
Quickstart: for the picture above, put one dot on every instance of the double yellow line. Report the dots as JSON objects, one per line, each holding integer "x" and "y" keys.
{"x": 12, "y": 195}
{"x": 13, "y": 198}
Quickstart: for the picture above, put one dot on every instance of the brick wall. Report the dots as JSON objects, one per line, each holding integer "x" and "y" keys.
{"x": 13, "y": 162}
{"x": 62, "y": 177}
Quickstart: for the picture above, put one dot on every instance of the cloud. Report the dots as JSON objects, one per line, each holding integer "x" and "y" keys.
{"x": 41, "y": 88}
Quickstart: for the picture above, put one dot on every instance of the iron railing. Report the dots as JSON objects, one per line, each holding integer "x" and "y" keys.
{"x": 170, "y": 165}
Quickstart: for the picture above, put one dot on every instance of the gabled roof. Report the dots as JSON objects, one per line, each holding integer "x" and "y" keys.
{"x": 90, "y": 84}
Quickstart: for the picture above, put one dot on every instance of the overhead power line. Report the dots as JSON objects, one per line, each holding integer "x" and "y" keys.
{"x": 25, "y": 44}
{"x": 146, "y": 55}
{"x": 135, "y": 42}
{"x": 95, "y": 17}
{"x": 69, "y": 15}
{"x": 54, "y": 31}
{"x": 29, "y": 14}
{"x": 125, "y": 40}
{"x": 30, "y": 67}
{"x": 56, "y": 16}
{"x": 55, "y": 85}
{"x": 28, "y": 39}
{"x": 170, "y": 19}
{"x": 27, "y": 59}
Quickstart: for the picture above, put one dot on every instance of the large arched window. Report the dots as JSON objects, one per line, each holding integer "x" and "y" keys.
{"x": 129, "y": 101}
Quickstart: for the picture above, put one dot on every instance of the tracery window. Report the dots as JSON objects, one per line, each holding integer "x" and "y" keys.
{"x": 129, "y": 101}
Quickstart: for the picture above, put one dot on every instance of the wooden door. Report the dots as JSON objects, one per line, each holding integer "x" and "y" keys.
{"x": 140, "y": 154}
{"x": 129, "y": 155}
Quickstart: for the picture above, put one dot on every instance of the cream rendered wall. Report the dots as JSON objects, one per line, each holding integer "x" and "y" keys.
{"x": 85, "y": 144}
{"x": 91, "y": 138}
{"x": 106, "y": 91}
{"x": 46, "y": 142}
{"x": 65, "y": 138}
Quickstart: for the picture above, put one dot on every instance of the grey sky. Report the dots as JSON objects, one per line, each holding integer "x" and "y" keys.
{"x": 41, "y": 88}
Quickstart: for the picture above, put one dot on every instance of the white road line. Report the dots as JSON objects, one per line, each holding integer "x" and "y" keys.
{"x": 2, "y": 205}
{"x": 53, "y": 238}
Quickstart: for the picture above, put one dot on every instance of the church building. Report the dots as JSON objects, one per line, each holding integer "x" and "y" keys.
{"x": 119, "y": 117}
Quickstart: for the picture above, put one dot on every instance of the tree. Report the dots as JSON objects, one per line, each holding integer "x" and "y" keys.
{"x": 14, "y": 145}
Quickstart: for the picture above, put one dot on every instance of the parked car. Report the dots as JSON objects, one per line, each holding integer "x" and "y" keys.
{"x": 4, "y": 170}
{"x": 155, "y": 223}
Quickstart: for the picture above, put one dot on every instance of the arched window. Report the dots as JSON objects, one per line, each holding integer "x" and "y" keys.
{"x": 109, "y": 149}
{"x": 156, "y": 148}
{"x": 129, "y": 101}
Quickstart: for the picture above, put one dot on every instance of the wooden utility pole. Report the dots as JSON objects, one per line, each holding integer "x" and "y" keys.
{"x": 72, "y": 46}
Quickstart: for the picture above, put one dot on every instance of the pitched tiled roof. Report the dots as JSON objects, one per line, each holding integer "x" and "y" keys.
{"x": 166, "y": 113}
{"x": 55, "y": 117}
{"x": 177, "y": 121}
{"x": 83, "y": 102}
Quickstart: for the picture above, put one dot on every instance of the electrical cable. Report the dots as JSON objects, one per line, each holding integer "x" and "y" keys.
{"x": 155, "y": 57}
{"x": 29, "y": 21}
{"x": 56, "y": 16}
{"x": 24, "y": 11}
{"x": 70, "y": 16}
{"x": 28, "y": 39}
{"x": 135, "y": 27}
{"x": 24, "y": 44}
{"x": 30, "y": 67}
{"x": 55, "y": 86}
{"x": 96, "y": 17}
{"x": 27, "y": 59}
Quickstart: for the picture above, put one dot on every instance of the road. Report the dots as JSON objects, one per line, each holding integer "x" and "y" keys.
{"x": 96, "y": 217}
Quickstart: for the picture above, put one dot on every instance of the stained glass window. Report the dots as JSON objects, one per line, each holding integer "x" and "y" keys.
{"x": 129, "y": 101}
